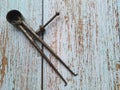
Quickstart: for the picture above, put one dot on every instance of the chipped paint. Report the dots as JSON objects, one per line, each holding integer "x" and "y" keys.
{"x": 3, "y": 65}
{"x": 4, "y": 61}
{"x": 17, "y": 72}
{"x": 90, "y": 30}
{"x": 86, "y": 36}
{"x": 117, "y": 67}
{"x": 117, "y": 82}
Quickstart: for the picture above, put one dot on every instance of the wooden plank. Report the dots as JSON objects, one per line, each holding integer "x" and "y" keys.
{"x": 20, "y": 63}
{"x": 86, "y": 37}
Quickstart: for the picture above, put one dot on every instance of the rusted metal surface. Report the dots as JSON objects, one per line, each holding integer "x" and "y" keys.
{"x": 86, "y": 35}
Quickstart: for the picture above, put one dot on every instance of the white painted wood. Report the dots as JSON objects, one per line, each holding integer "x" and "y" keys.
{"x": 86, "y": 37}
{"x": 20, "y": 62}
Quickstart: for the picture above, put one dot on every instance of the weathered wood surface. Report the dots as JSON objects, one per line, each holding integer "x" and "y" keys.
{"x": 20, "y": 62}
{"x": 85, "y": 35}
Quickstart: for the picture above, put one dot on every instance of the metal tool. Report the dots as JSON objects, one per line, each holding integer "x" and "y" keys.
{"x": 42, "y": 27}
{"x": 16, "y": 18}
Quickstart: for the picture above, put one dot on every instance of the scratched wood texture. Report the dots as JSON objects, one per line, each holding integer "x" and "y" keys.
{"x": 86, "y": 36}
{"x": 20, "y": 63}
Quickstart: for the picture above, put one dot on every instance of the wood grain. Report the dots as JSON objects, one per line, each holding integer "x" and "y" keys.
{"x": 20, "y": 63}
{"x": 86, "y": 36}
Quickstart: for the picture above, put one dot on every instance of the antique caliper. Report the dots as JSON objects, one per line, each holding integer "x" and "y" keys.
{"x": 16, "y": 18}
